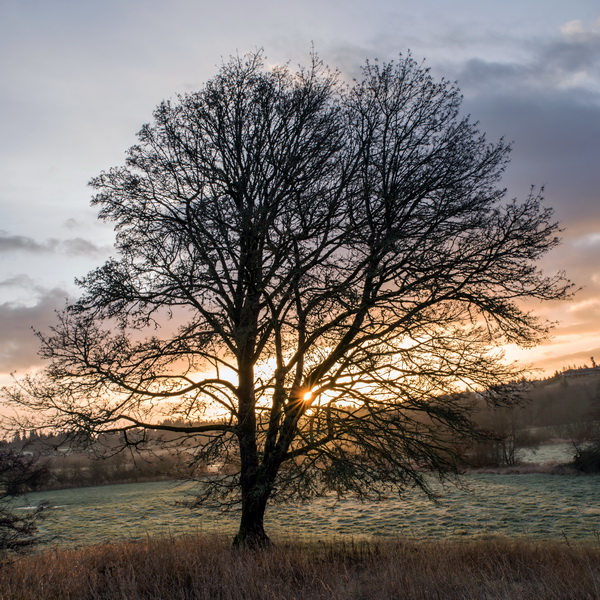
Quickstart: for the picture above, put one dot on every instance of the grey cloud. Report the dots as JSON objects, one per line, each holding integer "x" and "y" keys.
{"x": 572, "y": 54}
{"x": 21, "y": 280}
{"x": 18, "y": 343}
{"x": 70, "y": 247}
{"x": 478, "y": 76}
{"x": 556, "y": 144}
{"x": 571, "y": 62}
{"x": 24, "y": 282}
{"x": 80, "y": 247}
{"x": 539, "y": 103}
{"x": 11, "y": 243}
{"x": 72, "y": 224}
{"x": 549, "y": 105}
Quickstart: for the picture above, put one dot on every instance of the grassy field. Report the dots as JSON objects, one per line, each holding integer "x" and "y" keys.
{"x": 208, "y": 568}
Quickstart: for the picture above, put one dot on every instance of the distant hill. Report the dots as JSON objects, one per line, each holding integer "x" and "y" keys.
{"x": 564, "y": 407}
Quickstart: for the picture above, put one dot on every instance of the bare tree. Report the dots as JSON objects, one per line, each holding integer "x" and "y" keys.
{"x": 341, "y": 263}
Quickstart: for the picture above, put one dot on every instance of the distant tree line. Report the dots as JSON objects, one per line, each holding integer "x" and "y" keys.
{"x": 563, "y": 407}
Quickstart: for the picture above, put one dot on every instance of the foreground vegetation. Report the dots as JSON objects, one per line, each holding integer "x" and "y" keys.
{"x": 208, "y": 568}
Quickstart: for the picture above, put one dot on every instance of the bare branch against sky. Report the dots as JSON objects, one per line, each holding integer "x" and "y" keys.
{"x": 78, "y": 79}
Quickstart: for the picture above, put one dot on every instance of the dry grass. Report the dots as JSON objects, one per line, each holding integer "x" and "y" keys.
{"x": 208, "y": 568}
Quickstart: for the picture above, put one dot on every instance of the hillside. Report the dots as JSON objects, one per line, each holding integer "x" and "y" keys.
{"x": 564, "y": 407}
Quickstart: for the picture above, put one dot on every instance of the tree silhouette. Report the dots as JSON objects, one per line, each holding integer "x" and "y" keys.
{"x": 331, "y": 266}
{"x": 19, "y": 473}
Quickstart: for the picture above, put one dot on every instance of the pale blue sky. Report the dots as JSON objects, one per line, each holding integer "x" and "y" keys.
{"x": 78, "y": 78}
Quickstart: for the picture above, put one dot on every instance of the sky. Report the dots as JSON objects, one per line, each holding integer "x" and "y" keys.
{"x": 78, "y": 78}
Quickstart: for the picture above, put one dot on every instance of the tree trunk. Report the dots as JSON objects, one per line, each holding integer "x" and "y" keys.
{"x": 255, "y": 492}
{"x": 252, "y": 532}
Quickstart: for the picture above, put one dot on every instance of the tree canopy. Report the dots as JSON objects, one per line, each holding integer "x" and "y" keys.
{"x": 311, "y": 275}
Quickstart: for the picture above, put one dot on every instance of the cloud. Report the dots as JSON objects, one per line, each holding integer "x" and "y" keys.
{"x": 589, "y": 305}
{"x": 556, "y": 145}
{"x": 11, "y": 243}
{"x": 21, "y": 281}
{"x": 570, "y": 61}
{"x": 80, "y": 247}
{"x": 577, "y": 30}
{"x": 543, "y": 93}
{"x": 548, "y": 102}
{"x": 72, "y": 224}
{"x": 588, "y": 242}
{"x": 18, "y": 343}
{"x": 70, "y": 247}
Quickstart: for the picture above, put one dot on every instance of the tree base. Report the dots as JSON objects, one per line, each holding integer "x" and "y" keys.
{"x": 252, "y": 540}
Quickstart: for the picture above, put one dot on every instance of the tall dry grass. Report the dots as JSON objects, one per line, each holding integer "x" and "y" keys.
{"x": 208, "y": 568}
